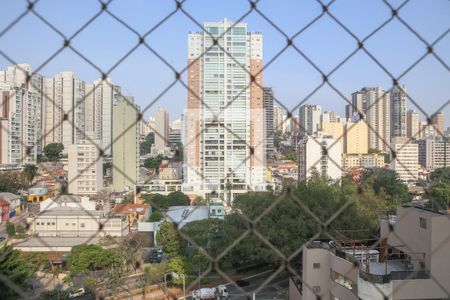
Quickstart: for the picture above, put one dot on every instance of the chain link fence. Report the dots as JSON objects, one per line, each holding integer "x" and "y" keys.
{"x": 252, "y": 227}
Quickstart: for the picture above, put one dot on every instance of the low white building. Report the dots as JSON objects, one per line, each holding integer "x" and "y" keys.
{"x": 77, "y": 222}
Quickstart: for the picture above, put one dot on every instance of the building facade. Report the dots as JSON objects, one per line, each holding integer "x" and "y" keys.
{"x": 269, "y": 119}
{"x": 438, "y": 122}
{"x": 406, "y": 160}
{"x": 413, "y": 124}
{"x": 398, "y": 111}
{"x": 126, "y": 145}
{"x": 310, "y": 117}
{"x": 224, "y": 139}
{"x": 85, "y": 168}
{"x": 434, "y": 152}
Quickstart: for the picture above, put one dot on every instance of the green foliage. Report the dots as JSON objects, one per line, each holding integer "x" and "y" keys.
{"x": 55, "y": 294}
{"x": 128, "y": 198}
{"x": 30, "y": 172}
{"x": 156, "y": 216}
{"x": 11, "y": 182}
{"x": 160, "y": 202}
{"x": 53, "y": 150}
{"x": 154, "y": 162}
{"x": 177, "y": 265}
{"x": 15, "y": 268}
{"x": 106, "y": 166}
{"x": 155, "y": 272}
{"x": 178, "y": 152}
{"x": 85, "y": 258}
{"x": 441, "y": 175}
{"x": 168, "y": 237}
{"x": 146, "y": 145}
{"x": 439, "y": 195}
{"x": 290, "y": 153}
{"x": 10, "y": 229}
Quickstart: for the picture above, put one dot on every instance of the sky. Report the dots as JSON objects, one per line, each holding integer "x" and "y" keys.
{"x": 143, "y": 75}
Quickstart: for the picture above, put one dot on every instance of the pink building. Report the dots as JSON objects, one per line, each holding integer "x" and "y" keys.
{"x": 5, "y": 210}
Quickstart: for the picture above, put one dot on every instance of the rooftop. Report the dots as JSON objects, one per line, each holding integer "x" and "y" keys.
{"x": 71, "y": 211}
{"x": 9, "y": 196}
{"x": 48, "y": 241}
{"x": 186, "y": 214}
{"x": 127, "y": 208}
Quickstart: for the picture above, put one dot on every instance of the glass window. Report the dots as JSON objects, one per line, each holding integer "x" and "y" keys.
{"x": 423, "y": 223}
{"x": 316, "y": 265}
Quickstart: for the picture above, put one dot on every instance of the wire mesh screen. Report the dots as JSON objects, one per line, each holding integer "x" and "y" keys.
{"x": 248, "y": 210}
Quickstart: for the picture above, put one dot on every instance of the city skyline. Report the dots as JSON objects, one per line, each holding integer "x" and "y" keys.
{"x": 145, "y": 77}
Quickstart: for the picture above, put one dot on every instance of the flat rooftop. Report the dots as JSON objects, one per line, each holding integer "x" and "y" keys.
{"x": 71, "y": 211}
{"x": 387, "y": 267}
{"x": 50, "y": 241}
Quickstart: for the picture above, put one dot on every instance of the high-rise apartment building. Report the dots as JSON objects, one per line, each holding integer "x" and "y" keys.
{"x": 438, "y": 123}
{"x": 406, "y": 160}
{"x": 398, "y": 111}
{"x": 376, "y": 107}
{"x": 64, "y": 107}
{"x": 278, "y": 120}
{"x": 161, "y": 131}
{"x": 310, "y": 116}
{"x": 356, "y": 137}
{"x": 413, "y": 124}
{"x": 224, "y": 147}
{"x": 101, "y": 96}
{"x": 126, "y": 145}
{"x": 319, "y": 152}
{"x": 85, "y": 168}
{"x": 434, "y": 152}
{"x": 20, "y": 114}
{"x": 269, "y": 118}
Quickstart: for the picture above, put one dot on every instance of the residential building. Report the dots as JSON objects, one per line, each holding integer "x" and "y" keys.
{"x": 72, "y": 222}
{"x": 336, "y": 130}
{"x": 358, "y": 104}
{"x": 329, "y": 117}
{"x": 319, "y": 152}
{"x": 64, "y": 109}
{"x": 434, "y": 152}
{"x": 310, "y": 116}
{"x": 406, "y": 160}
{"x": 224, "y": 120}
{"x": 410, "y": 261}
{"x": 85, "y": 168}
{"x": 101, "y": 96}
{"x": 376, "y": 107}
{"x": 134, "y": 212}
{"x": 37, "y": 194}
{"x": 13, "y": 200}
{"x": 268, "y": 98}
{"x": 161, "y": 131}
{"x": 278, "y": 120}
{"x": 170, "y": 170}
{"x": 5, "y": 210}
{"x": 413, "y": 124}
{"x": 398, "y": 111}
{"x": 437, "y": 120}
{"x": 126, "y": 145}
{"x": 366, "y": 161}
{"x": 356, "y": 137}
{"x": 175, "y": 131}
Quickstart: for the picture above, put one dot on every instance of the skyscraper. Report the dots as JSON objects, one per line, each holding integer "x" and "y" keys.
{"x": 101, "y": 96}
{"x": 224, "y": 140}
{"x": 268, "y": 109}
{"x": 310, "y": 116}
{"x": 438, "y": 123}
{"x": 126, "y": 145}
{"x": 20, "y": 114}
{"x": 64, "y": 120}
{"x": 161, "y": 131}
{"x": 398, "y": 111}
{"x": 413, "y": 124}
{"x": 376, "y": 107}
{"x": 278, "y": 118}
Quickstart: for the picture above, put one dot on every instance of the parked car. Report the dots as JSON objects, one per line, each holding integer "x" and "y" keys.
{"x": 2, "y": 238}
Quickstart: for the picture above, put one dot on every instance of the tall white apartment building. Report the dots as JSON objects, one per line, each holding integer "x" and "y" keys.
{"x": 64, "y": 107}
{"x": 269, "y": 118}
{"x": 85, "y": 168}
{"x": 101, "y": 96}
{"x": 434, "y": 152}
{"x": 398, "y": 111}
{"x": 322, "y": 153}
{"x": 376, "y": 106}
{"x": 310, "y": 118}
{"x": 412, "y": 124}
{"x": 224, "y": 140}
{"x": 126, "y": 145}
{"x": 278, "y": 120}
{"x": 161, "y": 131}
{"x": 406, "y": 160}
{"x": 20, "y": 114}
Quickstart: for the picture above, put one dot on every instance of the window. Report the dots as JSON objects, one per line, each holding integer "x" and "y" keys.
{"x": 37, "y": 223}
{"x": 48, "y": 223}
{"x": 316, "y": 265}
{"x": 82, "y": 225}
{"x": 316, "y": 289}
{"x": 423, "y": 223}
{"x": 53, "y": 223}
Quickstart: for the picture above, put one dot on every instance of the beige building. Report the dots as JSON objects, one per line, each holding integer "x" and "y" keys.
{"x": 77, "y": 222}
{"x": 367, "y": 160}
{"x": 170, "y": 170}
{"x": 126, "y": 146}
{"x": 85, "y": 168}
{"x": 353, "y": 136}
{"x": 406, "y": 160}
{"x": 434, "y": 152}
{"x": 161, "y": 131}
{"x": 413, "y": 124}
{"x": 411, "y": 261}
{"x": 438, "y": 121}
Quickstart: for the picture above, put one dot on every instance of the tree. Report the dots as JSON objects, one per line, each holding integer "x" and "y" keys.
{"x": 441, "y": 175}
{"x": 146, "y": 145}
{"x": 86, "y": 258}
{"x": 177, "y": 198}
{"x": 168, "y": 237}
{"x": 176, "y": 264}
{"x": 154, "y": 162}
{"x": 11, "y": 182}
{"x": 155, "y": 272}
{"x": 156, "y": 216}
{"x": 30, "y": 172}
{"x": 15, "y": 268}
{"x": 439, "y": 195}
{"x": 53, "y": 151}
{"x": 10, "y": 229}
